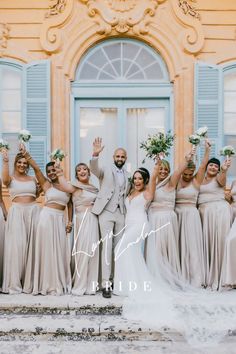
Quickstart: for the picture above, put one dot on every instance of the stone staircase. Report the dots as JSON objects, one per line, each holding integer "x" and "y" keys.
{"x": 83, "y": 325}
{"x": 29, "y": 319}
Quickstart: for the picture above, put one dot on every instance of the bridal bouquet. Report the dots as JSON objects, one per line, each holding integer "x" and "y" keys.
{"x": 194, "y": 139}
{"x": 157, "y": 143}
{"x": 202, "y": 132}
{"x": 57, "y": 155}
{"x": 24, "y": 135}
{"x": 227, "y": 151}
{"x": 4, "y": 145}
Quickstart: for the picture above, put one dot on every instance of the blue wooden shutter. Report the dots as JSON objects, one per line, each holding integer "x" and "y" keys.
{"x": 37, "y": 109}
{"x": 208, "y": 103}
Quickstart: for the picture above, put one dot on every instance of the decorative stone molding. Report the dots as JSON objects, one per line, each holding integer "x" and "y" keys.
{"x": 4, "y": 36}
{"x": 192, "y": 36}
{"x": 188, "y": 9}
{"x": 122, "y": 15}
{"x": 56, "y": 7}
{"x": 59, "y": 13}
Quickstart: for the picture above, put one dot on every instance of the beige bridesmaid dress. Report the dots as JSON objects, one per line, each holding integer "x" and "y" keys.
{"x": 215, "y": 215}
{"x": 190, "y": 235}
{"x": 2, "y": 235}
{"x": 162, "y": 245}
{"x": 85, "y": 252}
{"x": 228, "y": 277}
{"x": 20, "y": 233}
{"x": 52, "y": 274}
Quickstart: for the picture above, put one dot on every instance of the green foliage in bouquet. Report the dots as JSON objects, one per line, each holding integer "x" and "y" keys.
{"x": 157, "y": 143}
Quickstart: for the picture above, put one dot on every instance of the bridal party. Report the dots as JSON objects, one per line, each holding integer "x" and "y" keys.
{"x": 125, "y": 231}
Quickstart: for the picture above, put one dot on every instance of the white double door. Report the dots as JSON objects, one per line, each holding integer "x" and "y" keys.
{"x": 120, "y": 123}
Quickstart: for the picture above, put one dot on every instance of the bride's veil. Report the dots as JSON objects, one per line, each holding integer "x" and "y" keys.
{"x": 202, "y": 316}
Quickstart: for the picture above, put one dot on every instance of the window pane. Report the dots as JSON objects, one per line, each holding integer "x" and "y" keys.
{"x": 230, "y": 81}
{"x": 231, "y": 140}
{"x": 11, "y": 121}
{"x": 140, "y": 123}
{"x": 230, "y": 102}
{"x": 230, "y": 123}
{"x": 11, "y": 79}
{"x": 11, "y": 100}
{"x": 96, "y": 122}
{"x": 13, "y": 142}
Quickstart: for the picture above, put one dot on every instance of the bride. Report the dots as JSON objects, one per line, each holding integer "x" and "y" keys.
{"x": 202, "y": 316}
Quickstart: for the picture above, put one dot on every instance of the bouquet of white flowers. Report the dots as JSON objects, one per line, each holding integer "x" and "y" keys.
{"x": 4, "y": 145}
{"x": 24, "y": 136}
{"x": 194, "y": 139}
{"x": 157, "y": 143}
{"x": 57, "y": 155}
{"x": 227, "y": 151}
{"x": 202, "y": 132}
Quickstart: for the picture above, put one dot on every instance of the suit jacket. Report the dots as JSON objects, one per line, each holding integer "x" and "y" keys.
{"x": 107, "y": 196}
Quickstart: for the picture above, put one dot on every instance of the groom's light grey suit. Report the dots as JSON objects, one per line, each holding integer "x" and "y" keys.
{"x": 110, "y": 208}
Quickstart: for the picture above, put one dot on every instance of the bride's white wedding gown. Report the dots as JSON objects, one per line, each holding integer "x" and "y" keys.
{"x": 203, "y": 317}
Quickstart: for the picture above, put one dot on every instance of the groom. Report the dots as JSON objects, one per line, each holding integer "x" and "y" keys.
{"x": 109, "y": 206}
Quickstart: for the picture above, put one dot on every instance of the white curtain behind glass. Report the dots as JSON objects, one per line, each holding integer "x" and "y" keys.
{"x": 98, "y": 122}
{"x": 140, "y": 123}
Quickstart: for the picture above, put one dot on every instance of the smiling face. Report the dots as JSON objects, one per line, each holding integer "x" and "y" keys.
{"x": 138, "y": 182}
{"x": 21, "y": 166}
{"x": 212, "y": 169}
{"x": 82, "y": 173}
{"x": 188, "y": 174}
{"x": 51, "y": 173}
{"x": 119, "y": 157}
{"x": 163, "y": 171}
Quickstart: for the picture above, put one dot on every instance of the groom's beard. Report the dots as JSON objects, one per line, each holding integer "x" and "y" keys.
{"x": 119, "y": 164}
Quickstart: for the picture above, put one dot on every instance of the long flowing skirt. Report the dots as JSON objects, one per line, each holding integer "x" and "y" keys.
{"x": 216, "y": 225}
{"x": 2, "y": 234}
{"x": 85, "y": 253}
{"x": 52, "y": 254}
{"x": 20, "y": 231}
{"x": 162, "y": 241}
{"x": 228, "y": 276}
{"x": 190, "y": 244}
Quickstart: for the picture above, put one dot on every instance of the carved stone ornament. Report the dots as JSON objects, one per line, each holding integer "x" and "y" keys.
{"x": 188, "y": 9}
{"x": 59, "y": 13}
{"x": 192, "y": 35}
{"x": 4, "y": 35}
{"x": 122, "y": 15}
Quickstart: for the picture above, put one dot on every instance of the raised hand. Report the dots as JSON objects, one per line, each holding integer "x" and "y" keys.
{"x": 22, "y": 148}
{"x": 97, "y": 146}
{"x": 226, "y": 164}
{"x": 5, "y": 156}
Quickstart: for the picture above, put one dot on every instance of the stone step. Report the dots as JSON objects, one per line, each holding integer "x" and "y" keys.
{"x": 63, "y": 305}
{"x": 77, "y": 328}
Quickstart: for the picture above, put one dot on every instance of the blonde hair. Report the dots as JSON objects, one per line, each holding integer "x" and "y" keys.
{"x": 166, "y": 164}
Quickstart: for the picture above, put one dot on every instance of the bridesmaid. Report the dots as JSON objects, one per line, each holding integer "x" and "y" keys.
{"x": 86, "y": 237}
{"x": 215, "y": 216}
{"x": 189, "y": 222}
{"x": 21, "y": 224}
{"x": 51, "y": 274}
{"x": 163, "y": 242}
{"x": 3, "y": 218}
{"x": 228, "y": 276}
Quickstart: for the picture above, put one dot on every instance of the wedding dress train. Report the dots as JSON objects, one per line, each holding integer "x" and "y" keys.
{"x": 204, "y": 317}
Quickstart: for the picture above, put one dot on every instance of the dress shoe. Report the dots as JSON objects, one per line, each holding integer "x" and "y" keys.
{"x": 106, "y": 292}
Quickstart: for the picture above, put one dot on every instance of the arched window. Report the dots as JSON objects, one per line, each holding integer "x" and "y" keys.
{"x": 122, "y": 93}
{"x": 122, "y": 60}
